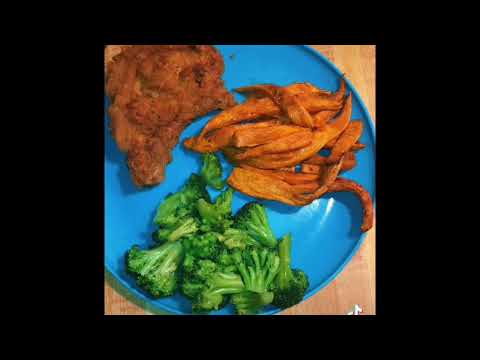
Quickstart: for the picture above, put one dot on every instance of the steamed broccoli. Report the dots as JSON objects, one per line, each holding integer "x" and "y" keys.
{"x": 212, "y": 171}
{"x": 181, "y": 203}
{"x": 258, "y": 268}
{"x": 156, "y": 269}
{"x": 249, "y": 303}
{"x": 195, "y": 273}
{"x": 235, "y": 238}
{"x": 252, "y": 218}
{"x": 216, "y": 286}
{"x": 218, "y": 216}
{"x": 291, "y": 284}
{"x": 185, "y": 226}
{"x": 205, "y": 246}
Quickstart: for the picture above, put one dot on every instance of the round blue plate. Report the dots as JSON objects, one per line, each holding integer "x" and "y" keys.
{"x": 326, "y": 234}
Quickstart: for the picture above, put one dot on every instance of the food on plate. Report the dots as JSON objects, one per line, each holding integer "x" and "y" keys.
{"x": 284, "y": 144}
{"x": 155, "y": 270}
{"x": 345, "y": 141}
{"x": 315, "y": 163}
{"x": 291, "y": 177}
{"x": 265, "y": 187}
{"x": 254, "y": 136}
{"x": 220, "y": 138}
{"x": 255, "y": 108}
{"x": 341, "y": 184}
{"x": 300, "y": 121}
{"x": 212, "y": 172}
{"x": 290, "y": 284}
{"x": 214, "y": 257}
{"x": 320, "y": 138}
{"x": 252, "y": 218}
{"x": 321, "y": 118}
{"x": 286, "y": 101}
{"x": 155, "y": 92}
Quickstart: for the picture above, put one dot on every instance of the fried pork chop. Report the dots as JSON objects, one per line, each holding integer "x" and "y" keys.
{"x": 155, "y": 92}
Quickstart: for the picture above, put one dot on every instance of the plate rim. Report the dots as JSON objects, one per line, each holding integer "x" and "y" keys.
{"x": 166, "y": 308}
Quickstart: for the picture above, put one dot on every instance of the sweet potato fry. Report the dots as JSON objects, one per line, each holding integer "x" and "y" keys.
{"x": 316, "y": 160}
{"x": 327, "y": 177}
{"x": 320, "y": 138}
{"x": 346, "y": 140}
{"x": 321, "y": 118}
{"x": 314, "y": 164}
{"x": 341, "y": 184}
{"x": 311, "y": 169}
{"x": 349, "y": 161}
{"x": 289, "y": 169}
{"x": 292, "y": 178}
{"x": 249, "y": 137}
{"x": 308, "y": 187}
{"x": 262, "y": 186}
{"x": 286, "y": 101}
{"x": 254, "y": 108}
{"x": 223, "y": 137}
{"x": 290, "y": 142}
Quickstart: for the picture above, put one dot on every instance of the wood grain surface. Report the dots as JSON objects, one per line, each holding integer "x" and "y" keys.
{"x": 356, "y": 283}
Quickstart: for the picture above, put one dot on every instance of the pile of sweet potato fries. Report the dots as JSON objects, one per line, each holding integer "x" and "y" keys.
{"x": 278, "y": 128}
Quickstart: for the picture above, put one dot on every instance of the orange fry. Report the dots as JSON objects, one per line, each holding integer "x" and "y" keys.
{"x": 254, "y": 108}
{"x": 261, "y": 186}
{"x": 321, "y": 118}
{"x": 293, "y": 178}
{"x": 286, "y": 101}
{"x": 311, "y": 169}
{"x": 249, "y": 137}
{"x": 346, "y": 140}
{"x": 341, "y": 184}
{"x": 290, "y": 142}
{"x": 320, "y": 138}
{"x": 223, "y": 137}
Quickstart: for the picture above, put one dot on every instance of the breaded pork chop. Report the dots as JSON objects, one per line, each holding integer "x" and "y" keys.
{"x": 155, "y": 92}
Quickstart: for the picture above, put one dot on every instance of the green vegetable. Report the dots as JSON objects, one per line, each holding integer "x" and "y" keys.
{"x": 235, "y": 238}
{"x": 212, "y": 172}
{"x": 182, "y": 203}
{"x": 156, "y": 269}
{"x": 184, "y": 226}
{"x": 249, "y": 303}
{"x": 216, "y": 217}
{"x": 204, "y": 246}
{"x": 252, "y": 218}
{"x": 258, "y": 268}
{"x": 291, "y": 284}
{"x": 216, "y": 286}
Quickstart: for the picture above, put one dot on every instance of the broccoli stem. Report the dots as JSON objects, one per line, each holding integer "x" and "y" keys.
{"x": 188, "y": 227}
{"x": 285, "y": 274}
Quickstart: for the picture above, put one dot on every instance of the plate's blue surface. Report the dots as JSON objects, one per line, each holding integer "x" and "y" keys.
{"x": 326, "y": 234}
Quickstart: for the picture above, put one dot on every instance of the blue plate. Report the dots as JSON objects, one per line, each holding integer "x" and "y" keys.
{"x": 326, "y": 234}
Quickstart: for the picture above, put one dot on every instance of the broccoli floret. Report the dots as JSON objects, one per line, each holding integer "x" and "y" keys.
{"x": 212, "y": 172}
{"x": 156, "y": 269}
{"x": 258, "y": 268}
{"x": 249, "y": 303}
{"x": 291, "y": 284}
{"x": 218, "y": 216}
{"x": 195, "y": 274}
{"x": 235, "y": 238}
{"x": 216, "y": 286}
{"x": 182, "y": 203}
{"x": 204, "y": 246}
{"x": 185, "y": 226}
{"x": 252, "y": 218}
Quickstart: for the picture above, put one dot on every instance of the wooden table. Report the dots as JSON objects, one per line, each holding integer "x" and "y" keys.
{"x": 356, "y": 283}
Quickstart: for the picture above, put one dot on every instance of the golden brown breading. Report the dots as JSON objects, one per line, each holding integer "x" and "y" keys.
{"x": 156, "y": 91}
